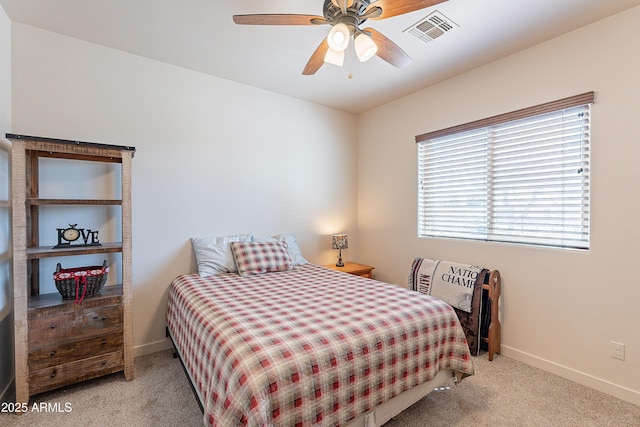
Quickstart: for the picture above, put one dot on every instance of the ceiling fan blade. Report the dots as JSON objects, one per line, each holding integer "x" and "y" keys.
{"x": 388, "y": 50}
{"x": 399, "y": 7}
{"x": 317, "y": 59}
{"x": 370, "y": 13}
{"x": 278, "y": 19}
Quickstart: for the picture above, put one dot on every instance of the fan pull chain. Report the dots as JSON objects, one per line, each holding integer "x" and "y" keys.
{"x": 349, "y": 58}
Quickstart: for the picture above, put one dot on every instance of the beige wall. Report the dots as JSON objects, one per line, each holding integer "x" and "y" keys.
{"x": 560, "y": 309}
{"x": 214, "y": 157}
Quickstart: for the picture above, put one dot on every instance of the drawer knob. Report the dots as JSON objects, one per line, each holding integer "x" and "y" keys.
{"x": 53, "y": 373}
{"x": 53, "y": 326}
{"x": 98, "y": 317}
{"x": 104, "y": 342}
{"x": 104, "y": 362}
{"x": 53, "y": 353}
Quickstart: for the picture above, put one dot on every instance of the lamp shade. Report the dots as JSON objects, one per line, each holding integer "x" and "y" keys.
{"x": 339, "y": 241}
{"x": 334, "y": 57}
{"x": 338, "y": 38}
{"x": 365, "y": 47}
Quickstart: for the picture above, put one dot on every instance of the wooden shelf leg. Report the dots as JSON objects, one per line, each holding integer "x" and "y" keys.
{"x": 494, "y": 328}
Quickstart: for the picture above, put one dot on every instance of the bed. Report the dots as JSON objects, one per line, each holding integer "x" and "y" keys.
{"x": 268, "y": 339}
{"x": 310, "y": 346}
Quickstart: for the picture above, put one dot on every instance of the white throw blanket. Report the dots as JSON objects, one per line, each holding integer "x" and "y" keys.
{"x": 424, "y": 278}
{"x": 450, "y": 282}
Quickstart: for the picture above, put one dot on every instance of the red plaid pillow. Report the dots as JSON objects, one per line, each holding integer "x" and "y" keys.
{"x": 260, "y": 257}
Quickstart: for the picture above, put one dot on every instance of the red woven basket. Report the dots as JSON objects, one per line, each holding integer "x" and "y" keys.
{"x": 80, "y": 282}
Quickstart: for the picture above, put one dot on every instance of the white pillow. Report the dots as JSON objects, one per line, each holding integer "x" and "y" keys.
{"x": 292, "y": 247}
{"x": 214, "y": 255}
{"x": 264, "y": 239}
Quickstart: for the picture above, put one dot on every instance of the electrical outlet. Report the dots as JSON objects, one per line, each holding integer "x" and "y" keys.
{"x": 617, "y": 350}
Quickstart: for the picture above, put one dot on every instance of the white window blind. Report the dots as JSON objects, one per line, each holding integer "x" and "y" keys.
{"x": 518, "y": 181}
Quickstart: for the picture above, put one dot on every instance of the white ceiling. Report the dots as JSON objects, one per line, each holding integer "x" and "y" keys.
{"x": 200, "y": 35}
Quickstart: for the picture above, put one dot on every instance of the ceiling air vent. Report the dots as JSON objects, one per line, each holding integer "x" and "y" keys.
{"x": 431, "y": 27}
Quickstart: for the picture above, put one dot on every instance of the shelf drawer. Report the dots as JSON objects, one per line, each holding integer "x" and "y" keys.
{"x": 69, "y": 373}
{"x": 99, "y": 320}
{"x": 47, "y": 329}
{"x": 60, "y": 354}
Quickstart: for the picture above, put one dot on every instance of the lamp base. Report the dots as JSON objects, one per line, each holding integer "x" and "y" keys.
{"x": 340, "y": 263}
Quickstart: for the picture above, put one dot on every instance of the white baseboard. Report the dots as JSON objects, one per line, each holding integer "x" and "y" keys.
{"x": 153, "y": 347}
{"x": 621, "y": 392}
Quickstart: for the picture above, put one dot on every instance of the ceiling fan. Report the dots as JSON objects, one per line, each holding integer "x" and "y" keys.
{"x": 345, "y": 18}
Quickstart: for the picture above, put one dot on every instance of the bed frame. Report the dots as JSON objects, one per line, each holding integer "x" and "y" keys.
{"x": 389, "y": 409}
{"x": 177, "y": 355}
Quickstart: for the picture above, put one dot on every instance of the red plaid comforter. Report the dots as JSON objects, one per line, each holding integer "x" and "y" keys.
{"x": 311, "y": 346}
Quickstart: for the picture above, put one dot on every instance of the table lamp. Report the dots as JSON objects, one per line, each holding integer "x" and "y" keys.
{"x": 340, "y": 242}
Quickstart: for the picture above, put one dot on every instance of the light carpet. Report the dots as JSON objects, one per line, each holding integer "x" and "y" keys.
{"x": 503, "y": 392}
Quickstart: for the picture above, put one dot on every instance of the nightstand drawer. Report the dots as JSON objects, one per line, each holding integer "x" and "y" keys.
{"x": 368, "y": 273}
{"x": 59, "y": 354}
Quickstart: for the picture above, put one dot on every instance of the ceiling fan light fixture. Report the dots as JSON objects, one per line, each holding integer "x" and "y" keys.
{"x": 334, "y": 57}
{"x": 339, "y": 36}
{"x": 365, "y": 47}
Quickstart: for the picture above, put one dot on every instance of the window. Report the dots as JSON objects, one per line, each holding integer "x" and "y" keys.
{"x": 521, "y": 177}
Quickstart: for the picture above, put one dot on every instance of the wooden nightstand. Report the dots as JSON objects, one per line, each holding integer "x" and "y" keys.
{"x": 354, "y": 268}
